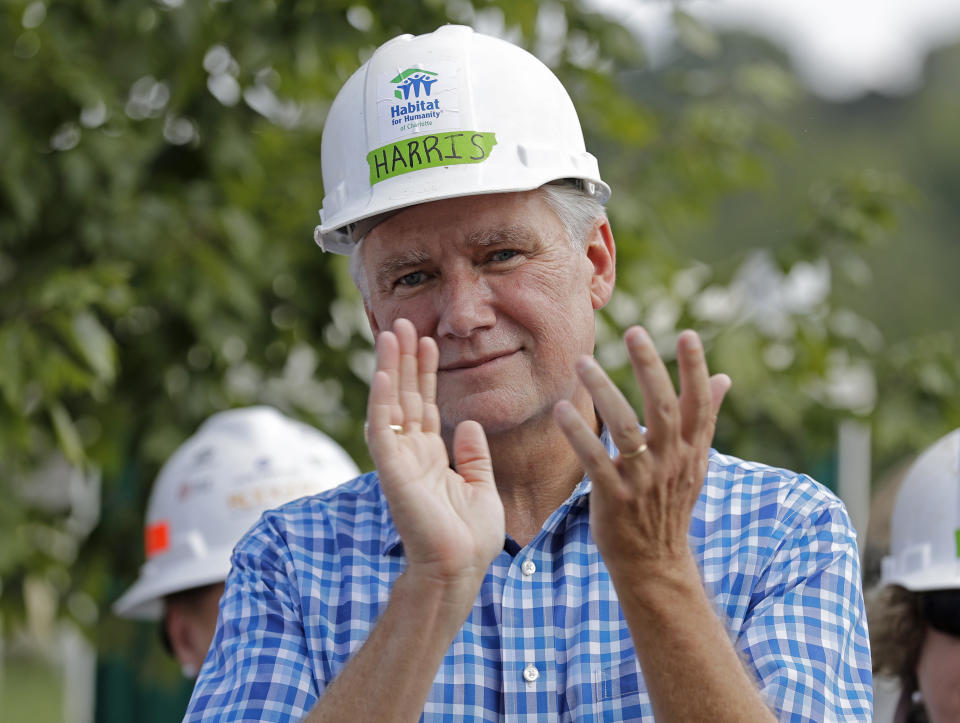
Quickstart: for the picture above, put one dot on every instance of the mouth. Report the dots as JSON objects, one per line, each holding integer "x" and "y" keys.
{"x": 463, "y": 364}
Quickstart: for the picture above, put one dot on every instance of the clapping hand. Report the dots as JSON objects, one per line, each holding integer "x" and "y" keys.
{"x": 450, "y": 519}
{"x": 642, "y": 500}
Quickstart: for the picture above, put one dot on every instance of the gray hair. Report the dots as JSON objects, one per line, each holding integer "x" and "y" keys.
{"x": 357, "y": 271}
{"x": 576, "y": 210}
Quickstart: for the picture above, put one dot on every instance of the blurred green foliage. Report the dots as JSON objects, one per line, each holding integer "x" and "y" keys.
{"x": 869, "y": 186}
{"x": 159, "y": 182}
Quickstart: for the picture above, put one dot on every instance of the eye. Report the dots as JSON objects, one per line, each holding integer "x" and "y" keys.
{"x": 503, "y": 255}
{"x": 412, "y": 279}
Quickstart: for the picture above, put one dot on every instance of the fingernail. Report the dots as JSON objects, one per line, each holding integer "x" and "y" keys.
{"x": 584, "y": 363}
{"x": 691, "y": 341}
{"x": 564, "y": 413}
{"x": 637, "y": 336}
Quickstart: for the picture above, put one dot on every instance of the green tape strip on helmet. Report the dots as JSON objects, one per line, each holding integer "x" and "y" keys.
{"x": 429, "y": 151}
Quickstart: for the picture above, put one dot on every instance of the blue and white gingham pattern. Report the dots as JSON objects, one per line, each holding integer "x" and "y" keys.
{"x": 776, "y": 550}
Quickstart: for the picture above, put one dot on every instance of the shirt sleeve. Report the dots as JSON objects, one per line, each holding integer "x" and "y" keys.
{"x": 258, "y": 667}
{"x": 806, "y": 630}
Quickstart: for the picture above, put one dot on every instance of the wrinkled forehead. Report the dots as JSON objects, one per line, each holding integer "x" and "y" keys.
{"x": 467, "y": 219}
{"x": 460, "y": 226}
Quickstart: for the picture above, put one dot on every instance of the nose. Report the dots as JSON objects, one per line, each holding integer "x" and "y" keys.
{"x": 466, "y": 305}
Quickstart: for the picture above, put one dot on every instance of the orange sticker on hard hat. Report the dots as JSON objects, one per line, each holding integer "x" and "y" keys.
{"x": 156, "y": 538}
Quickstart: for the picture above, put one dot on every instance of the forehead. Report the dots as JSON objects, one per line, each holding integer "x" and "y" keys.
{"x": 467, "y": 221}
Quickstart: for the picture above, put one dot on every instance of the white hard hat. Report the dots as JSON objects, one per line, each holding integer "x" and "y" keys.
{"x": 214, "y": 488}
{"x": 451, "y": 113}
{"x": 925, "y": 527}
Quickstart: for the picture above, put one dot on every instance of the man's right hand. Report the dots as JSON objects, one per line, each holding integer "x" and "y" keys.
{"x": 452, "y": 526}
{"x": 451, "y": 520}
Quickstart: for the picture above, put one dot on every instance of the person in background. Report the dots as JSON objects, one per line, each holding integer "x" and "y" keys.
{"x": 525, "y": 550}
{"x": 915, "y": 613}
{"x": 212, "y": 490}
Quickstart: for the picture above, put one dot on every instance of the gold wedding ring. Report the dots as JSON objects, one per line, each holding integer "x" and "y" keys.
{"x": 638, "y": 451}
{"x": 395, "y": 428}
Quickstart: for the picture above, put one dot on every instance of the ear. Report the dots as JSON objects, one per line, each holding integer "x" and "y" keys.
{"x": 602, "y": 254}
{"x": 184, "y": 637}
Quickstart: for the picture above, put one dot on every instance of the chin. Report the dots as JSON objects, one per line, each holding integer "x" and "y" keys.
{"x": 496, "y": 416}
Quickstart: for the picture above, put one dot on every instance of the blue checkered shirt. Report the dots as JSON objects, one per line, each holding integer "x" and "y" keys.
{"x": 778, "y": 558}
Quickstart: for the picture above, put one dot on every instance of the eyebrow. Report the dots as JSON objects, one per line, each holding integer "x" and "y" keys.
{"x": 400, "y": 262}
{"x": 507, "y": 234}
{"x": 390, "y": 266}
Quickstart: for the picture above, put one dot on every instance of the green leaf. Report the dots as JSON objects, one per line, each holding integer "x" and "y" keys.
{"x": 11, "y": 380}
{"x": 95, "y": 344}
{"x": 67, "y": 434}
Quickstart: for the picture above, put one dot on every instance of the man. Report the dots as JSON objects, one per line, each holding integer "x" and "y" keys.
{"x": 525, "y": 550}
{"x": 208, "y": 494}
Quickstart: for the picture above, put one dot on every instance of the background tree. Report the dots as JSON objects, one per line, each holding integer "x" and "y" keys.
{"x": 159, "y": 182}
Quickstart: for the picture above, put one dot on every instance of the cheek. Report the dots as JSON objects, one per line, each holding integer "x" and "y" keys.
{"x": 565, "y": 295}
{"x": 938, "y": 672}
{"x": 570, "y": 313}
{"x": 418, "y": 311}
{"x": 211, "y": 604}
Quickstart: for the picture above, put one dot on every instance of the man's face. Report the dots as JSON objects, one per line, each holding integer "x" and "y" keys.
{"x": 508, "y": 299}
{"x": 190, "y": 618}
{"x": 938, "y": 674}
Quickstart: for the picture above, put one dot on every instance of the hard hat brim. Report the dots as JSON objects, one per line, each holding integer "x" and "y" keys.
{"x": 144, "y": 599}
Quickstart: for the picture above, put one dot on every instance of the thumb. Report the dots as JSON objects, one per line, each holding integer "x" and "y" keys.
{"x": 471, "y": 455}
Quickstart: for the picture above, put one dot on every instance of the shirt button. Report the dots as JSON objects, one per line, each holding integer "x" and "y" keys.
{"x": 528, "y": 567}
{"x": 530, "y": 673}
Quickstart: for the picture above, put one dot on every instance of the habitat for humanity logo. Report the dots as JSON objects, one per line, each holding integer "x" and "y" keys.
{"x": 413, "y": 86}
{"x": 418, "y": 113}
{"x": 413, "y": 79}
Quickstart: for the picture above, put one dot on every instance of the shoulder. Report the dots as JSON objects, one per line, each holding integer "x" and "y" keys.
{"x": 355, "y": 510}
{"x": 762, "y": 507}
{"x": 736, "y": 484}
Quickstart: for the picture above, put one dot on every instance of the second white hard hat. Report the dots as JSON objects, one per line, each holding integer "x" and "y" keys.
{"x": 214, "y": 488}
{"x": 446, "y": 114}
{"x": 925, "y": 527}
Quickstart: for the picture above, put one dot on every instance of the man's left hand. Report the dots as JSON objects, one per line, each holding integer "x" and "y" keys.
{"x": 642, "y": 500}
